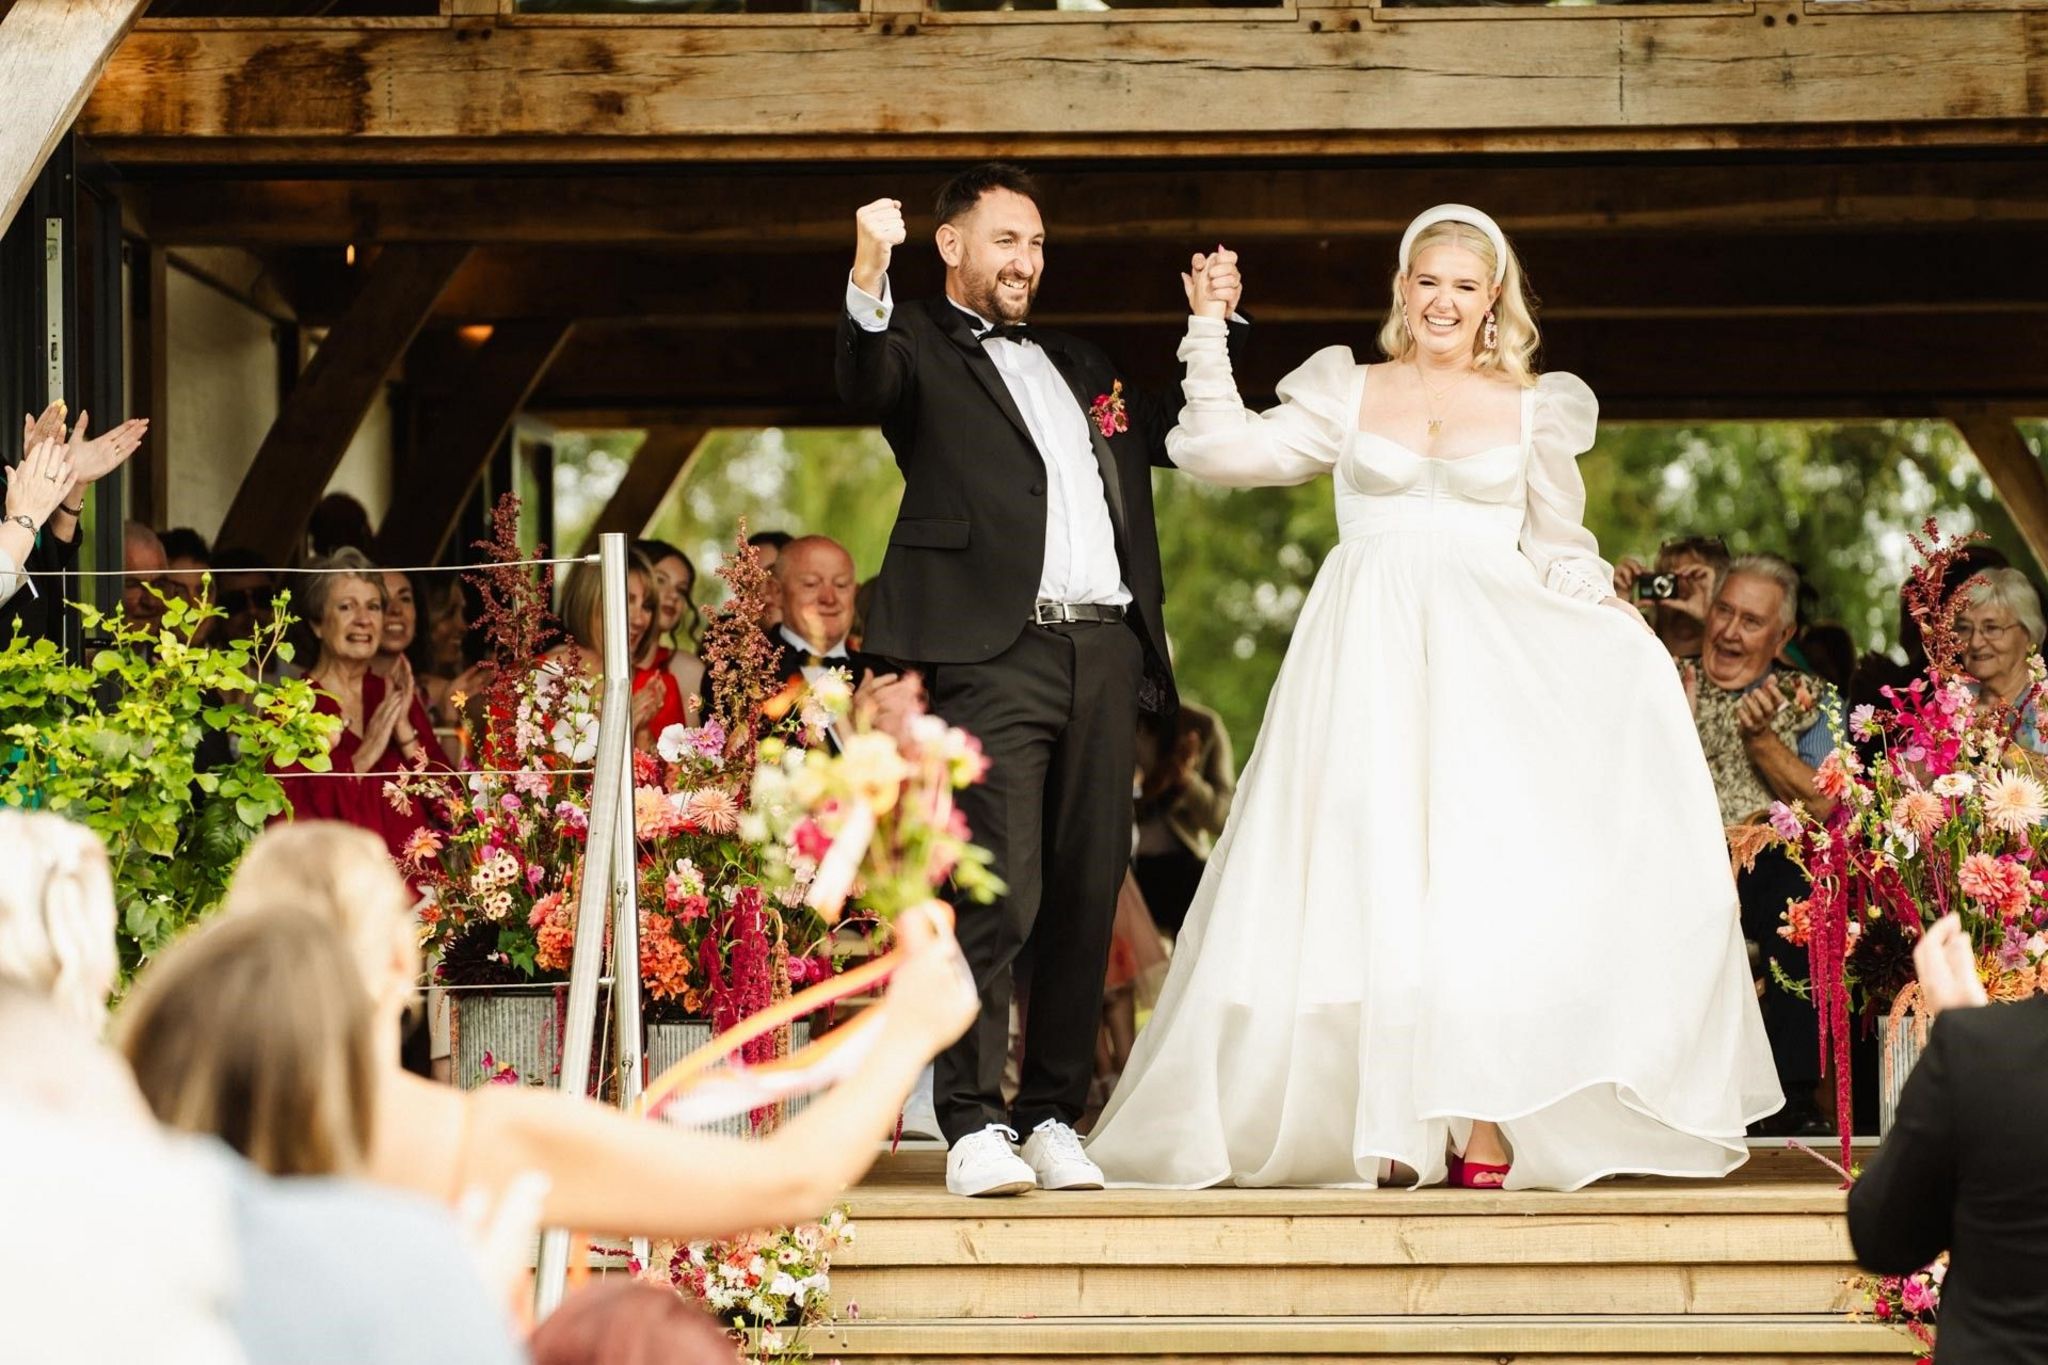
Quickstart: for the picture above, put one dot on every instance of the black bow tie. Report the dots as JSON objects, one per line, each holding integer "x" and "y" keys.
{"x": 1006, "y": 331}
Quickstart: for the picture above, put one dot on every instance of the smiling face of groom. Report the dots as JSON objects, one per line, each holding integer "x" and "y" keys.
{"x": 995, "y": 255}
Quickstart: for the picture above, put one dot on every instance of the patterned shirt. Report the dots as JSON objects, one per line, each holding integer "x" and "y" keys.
{"x": 1743, "y": 793}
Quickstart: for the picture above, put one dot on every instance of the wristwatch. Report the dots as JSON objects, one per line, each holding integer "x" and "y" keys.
{"x": 24, "y": 521}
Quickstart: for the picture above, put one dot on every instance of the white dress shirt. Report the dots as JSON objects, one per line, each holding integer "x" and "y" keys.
{"x": 1080, "y": 543}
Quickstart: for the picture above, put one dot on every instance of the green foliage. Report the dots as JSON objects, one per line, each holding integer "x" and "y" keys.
{"x": 116, "y": 746}
{"x": 839, "y": 483}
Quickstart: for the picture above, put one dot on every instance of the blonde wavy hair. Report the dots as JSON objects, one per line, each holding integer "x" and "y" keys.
{"x": 343, "y": 876}
{"x": 57, "y": 913}
{"x": 1514, "y": 357}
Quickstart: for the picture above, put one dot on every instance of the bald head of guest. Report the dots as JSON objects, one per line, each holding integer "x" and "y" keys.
{"x": 142, "y": 555}
{"x": 815, "y": 574}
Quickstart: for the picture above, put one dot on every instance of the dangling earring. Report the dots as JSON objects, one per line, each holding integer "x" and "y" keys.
{"x": 1490, "y": 335}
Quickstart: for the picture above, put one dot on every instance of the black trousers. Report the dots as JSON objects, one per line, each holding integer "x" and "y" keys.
{"x": 1789, "y": 1022}
{"x": 1056, "y": 714}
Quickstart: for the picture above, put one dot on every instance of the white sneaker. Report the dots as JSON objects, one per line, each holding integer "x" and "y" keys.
{"x": 1054, "y": 1151}
{"x": 920, "y": 1119}
{"x": 985, "y": 1163}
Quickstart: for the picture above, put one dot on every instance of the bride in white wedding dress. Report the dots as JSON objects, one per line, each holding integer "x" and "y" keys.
{"x": 1473, "y": 897}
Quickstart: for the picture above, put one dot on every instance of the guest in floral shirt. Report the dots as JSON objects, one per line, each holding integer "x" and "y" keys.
{"x": 1765, "y": 734}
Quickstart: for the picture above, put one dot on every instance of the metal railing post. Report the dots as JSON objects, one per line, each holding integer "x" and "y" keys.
{"x": 611, "y": 829}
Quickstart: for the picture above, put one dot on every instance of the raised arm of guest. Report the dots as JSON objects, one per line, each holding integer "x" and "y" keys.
{"x": 611, "y": 1174}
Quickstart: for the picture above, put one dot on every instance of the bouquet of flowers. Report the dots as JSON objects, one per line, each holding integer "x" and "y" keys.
{"x": 767, "y": 1288}
{"x": 1935, "y": 810}
{"x": 1910, "y": 1303}
{"x": 874, "y": 823}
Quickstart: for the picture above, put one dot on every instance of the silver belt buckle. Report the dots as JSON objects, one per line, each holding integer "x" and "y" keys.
{"x": 1052, "y": 614}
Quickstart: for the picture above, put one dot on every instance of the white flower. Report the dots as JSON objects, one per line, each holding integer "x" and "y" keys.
{"x": 1954, "y": 784}
{"x": 673, "y": 744}
{"x": 1863, "y": 721}
{"x": 782, "y": 1286}
{"x": 2014, "y": 802}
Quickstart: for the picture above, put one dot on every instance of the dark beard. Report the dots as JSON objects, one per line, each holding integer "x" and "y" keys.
{"x": 983, "y": 299}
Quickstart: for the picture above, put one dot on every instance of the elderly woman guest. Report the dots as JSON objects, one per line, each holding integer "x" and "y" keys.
{"x": 2000, "y": 627}
{"x": 672, "y": 643}
{"x": 384, "y": 725}
{"x": 657, "y": 698}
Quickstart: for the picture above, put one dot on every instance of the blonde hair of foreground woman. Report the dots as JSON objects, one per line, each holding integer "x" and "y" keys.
{"x": 610, "y": 1174}
{"x": 57, "y": 913}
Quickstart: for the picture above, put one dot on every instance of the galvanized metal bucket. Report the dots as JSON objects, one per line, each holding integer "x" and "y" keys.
{"x": 519, "y": 1027}
{"x": 1899, "y": 1043}
{"x": 668, "y": 1044}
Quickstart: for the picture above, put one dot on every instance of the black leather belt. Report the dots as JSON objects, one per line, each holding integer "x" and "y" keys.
{"x": 1064, "y": 613}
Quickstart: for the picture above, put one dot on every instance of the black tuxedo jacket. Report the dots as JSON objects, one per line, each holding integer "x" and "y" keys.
{"x": 1965, "y": 1170}
{"x": 962, "y": 570}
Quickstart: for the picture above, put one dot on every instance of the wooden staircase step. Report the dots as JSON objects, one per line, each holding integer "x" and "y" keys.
{"x": 1617, "y": 1337}
{"x": 895, "y": 1293}
{"x": 1527, "y": 1239}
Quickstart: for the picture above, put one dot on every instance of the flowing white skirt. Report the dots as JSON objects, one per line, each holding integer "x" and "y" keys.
{"x": 1475, "y": 870}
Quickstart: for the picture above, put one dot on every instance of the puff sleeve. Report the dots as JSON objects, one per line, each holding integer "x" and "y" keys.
{"x": 1218, "y": 441}
{"x": 1554, "y": 534}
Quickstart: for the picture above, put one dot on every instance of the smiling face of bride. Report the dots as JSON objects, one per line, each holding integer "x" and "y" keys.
{"x": 1445, "y": 297}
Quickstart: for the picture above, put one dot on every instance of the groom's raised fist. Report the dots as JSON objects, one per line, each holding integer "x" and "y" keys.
{"x": 878, "y": 231}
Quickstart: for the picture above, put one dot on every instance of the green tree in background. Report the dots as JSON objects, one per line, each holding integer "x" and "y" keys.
{"x": 838, "y": 483}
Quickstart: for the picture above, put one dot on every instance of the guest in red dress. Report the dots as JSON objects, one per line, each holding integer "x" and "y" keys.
{"x": 672, "y": 644}
{"x": 384, "y": 723}
{"x": 657, "y": 698}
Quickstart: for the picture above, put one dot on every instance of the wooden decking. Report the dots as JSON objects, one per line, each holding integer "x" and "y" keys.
{"x": 1751, "y": 1268}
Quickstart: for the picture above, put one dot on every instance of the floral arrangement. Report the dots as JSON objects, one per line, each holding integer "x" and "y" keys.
{"x": 497, "y": 866}
{"x": 768, "y": 1289}
{"x": 715, "y": 939}
{"x": 1910, "y": 1303}
{"x": 125, "y": 746}
{"x": 1935, "y": 810}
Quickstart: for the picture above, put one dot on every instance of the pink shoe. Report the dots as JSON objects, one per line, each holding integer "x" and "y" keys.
{"x": 1476, "y": 1175}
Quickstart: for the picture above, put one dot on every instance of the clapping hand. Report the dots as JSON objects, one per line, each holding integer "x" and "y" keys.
{"x": 878, "y": 230}
{"x": 1212, "y": 283}
{"x": 95, "y": 459}
{"x": 384, "y": 721}
{"x": 36, "y": 487}
{"x": 1755, "y": 712}
{"x": 1947, "y": 968}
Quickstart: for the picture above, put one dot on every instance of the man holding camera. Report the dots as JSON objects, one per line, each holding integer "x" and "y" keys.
{"x": 1676, "y": 594}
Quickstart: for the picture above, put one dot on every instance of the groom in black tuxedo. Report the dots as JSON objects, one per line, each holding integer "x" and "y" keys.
{"x": 1022, "y": 580}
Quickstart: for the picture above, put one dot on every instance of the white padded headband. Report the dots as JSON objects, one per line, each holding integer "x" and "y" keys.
{"x": 1459, "y": 213}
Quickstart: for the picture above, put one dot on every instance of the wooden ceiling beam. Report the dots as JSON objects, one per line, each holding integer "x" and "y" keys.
{"x": 321, "y": 414}
{"x": 1588, "y": 276}
{"x": 1906, "y": 365}
{"x": 51, "y": 55}
{"x": 945, "y": 83}
{"x": 1181, "y": 207}
{"x": 2015, "y": 472}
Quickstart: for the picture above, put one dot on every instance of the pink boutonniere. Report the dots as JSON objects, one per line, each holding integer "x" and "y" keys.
{"x": 1108, "y": 410}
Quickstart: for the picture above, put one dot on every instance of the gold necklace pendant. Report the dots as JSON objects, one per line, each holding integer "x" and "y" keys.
{"x": 1436, "y": 424}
